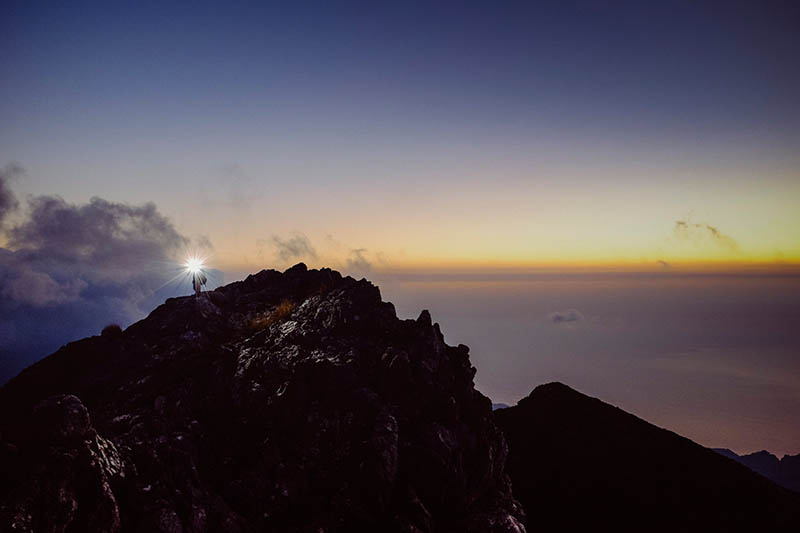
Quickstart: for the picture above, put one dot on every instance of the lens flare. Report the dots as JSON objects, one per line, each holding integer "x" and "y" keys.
{"x": 193, "y": 265}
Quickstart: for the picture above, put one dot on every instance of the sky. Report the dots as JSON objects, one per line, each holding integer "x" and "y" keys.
{"x": 413, "y": 143}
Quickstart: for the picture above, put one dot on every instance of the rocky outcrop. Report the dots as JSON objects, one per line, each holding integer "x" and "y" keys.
{"x": 65, "y": 485}
{"x": 293, "y": 401}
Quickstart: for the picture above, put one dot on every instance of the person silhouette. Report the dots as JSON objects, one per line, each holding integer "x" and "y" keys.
{"x": 199, "y": 279}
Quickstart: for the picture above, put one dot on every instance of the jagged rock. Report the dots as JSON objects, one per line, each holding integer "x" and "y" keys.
{"x": 65, "y": 485}
{"x": 284, "y": 402}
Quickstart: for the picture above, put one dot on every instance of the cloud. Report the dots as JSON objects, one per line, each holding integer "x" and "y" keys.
{"x": 204, "y": 243}
{"x": 103, "y": 234}
{"x": 70, "y": 269}
{"x": 38, "y": 289}
{"x": 721, "y": 238}
{"x": 8, "y": 201}
{"x": 568, "y": 315}
{"x": 692, "y": 231}
{"x": 332, "y": 253}
{"x": 357, "y": 262}
{"x": 295, "y": 247}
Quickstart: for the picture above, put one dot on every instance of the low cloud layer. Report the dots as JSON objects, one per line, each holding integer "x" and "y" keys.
{"x": 568, "y": 315}
{"x": 68, "y": 270}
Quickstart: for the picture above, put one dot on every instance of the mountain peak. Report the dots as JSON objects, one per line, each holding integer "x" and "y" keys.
{"x": 286, "y": 401}
{"x": 553, "y": 388}
{"x": 569, "y": 450}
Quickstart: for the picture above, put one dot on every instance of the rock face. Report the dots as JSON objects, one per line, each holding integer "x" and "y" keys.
{"x": 584, "y": 465}
{"x": 292, "y": 401}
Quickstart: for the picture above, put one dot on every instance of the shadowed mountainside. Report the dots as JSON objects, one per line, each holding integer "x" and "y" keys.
{"x": 578, "y": 464}
{"x": 293, "y": 401}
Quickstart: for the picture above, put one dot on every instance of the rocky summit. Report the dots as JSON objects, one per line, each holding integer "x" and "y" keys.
{"x": 292, "y": 401}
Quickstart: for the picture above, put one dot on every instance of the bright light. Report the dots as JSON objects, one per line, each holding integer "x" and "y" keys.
{"x": 194, "y": 265}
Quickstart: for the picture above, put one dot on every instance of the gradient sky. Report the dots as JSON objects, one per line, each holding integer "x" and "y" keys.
{"x": 496, "y": 133}
{"x": 450, "y": 151}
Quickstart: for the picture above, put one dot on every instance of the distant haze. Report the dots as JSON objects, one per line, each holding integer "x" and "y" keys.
{"x": 712, "y": 357}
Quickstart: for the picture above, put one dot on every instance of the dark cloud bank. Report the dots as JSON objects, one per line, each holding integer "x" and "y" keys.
{"x": 68, "y": 270}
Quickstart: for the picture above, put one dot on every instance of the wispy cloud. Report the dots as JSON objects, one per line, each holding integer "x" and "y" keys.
{"x": 357, "y": 262}
{"x": 566, "y": 316}
{"x": 295, "y": 247}
{"x": 691, "y": 231}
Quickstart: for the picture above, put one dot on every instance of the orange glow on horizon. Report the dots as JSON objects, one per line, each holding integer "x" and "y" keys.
{"x": 506, "y": 267}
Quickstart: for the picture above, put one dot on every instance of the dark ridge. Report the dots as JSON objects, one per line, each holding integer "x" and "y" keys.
{"x": 578, "y": 464}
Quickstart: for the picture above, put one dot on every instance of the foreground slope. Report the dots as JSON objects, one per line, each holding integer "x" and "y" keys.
{"x": 292, "y": 401}
{"x": 585, "y": 465}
